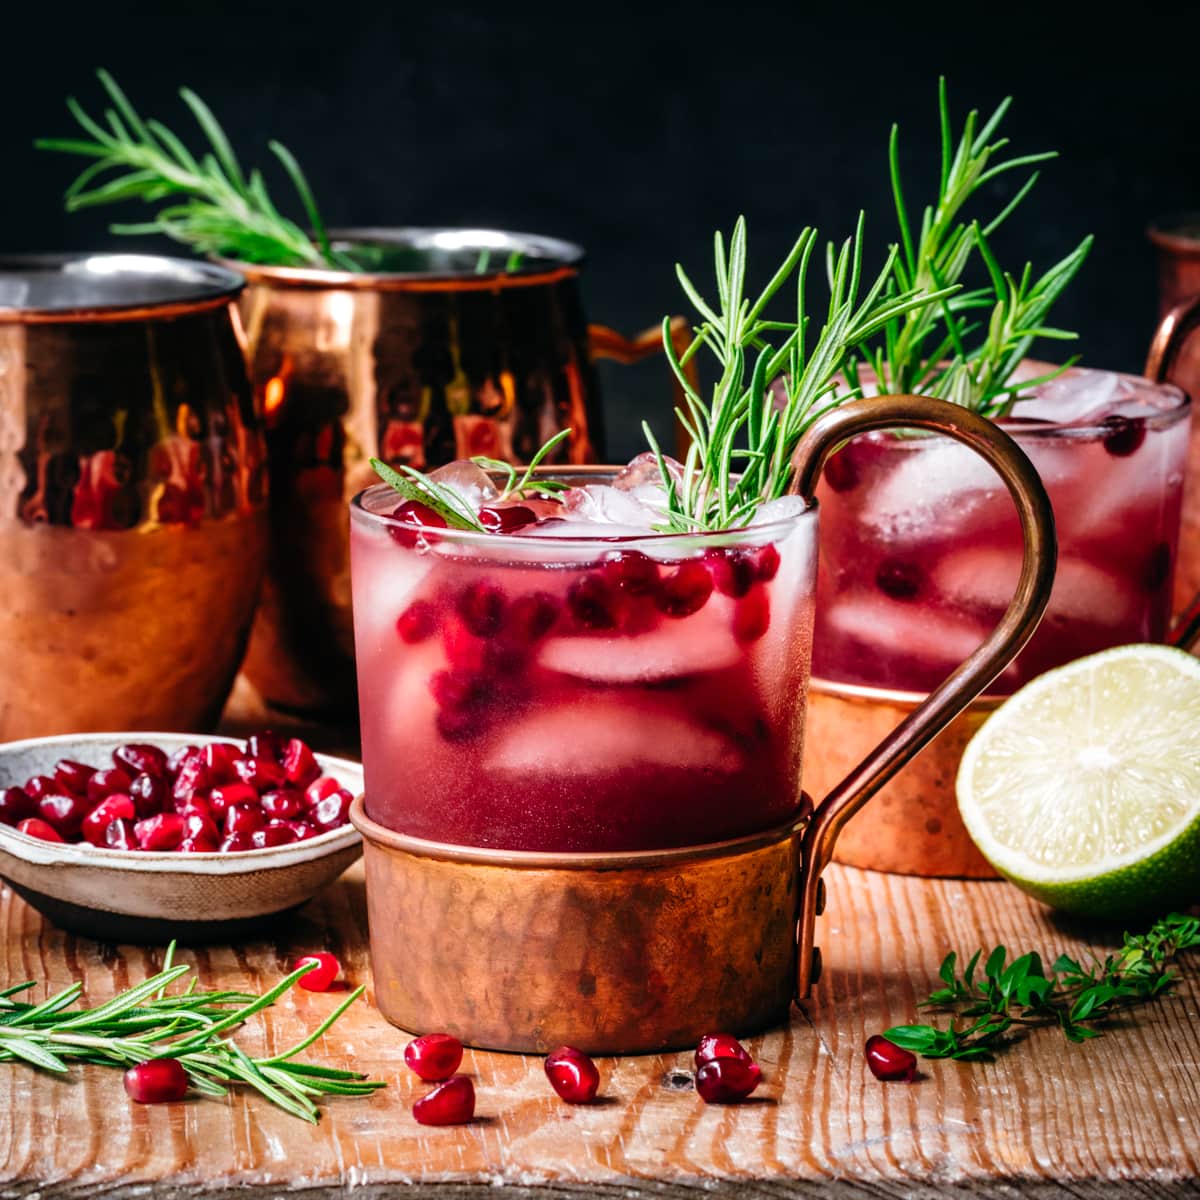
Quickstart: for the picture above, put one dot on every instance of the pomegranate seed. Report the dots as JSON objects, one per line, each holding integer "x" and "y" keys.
{"x": 686, "y": 590}
{"x": 727, "y": 1080}
{"x": 752, "y": 616}
{"x": 198, "y": 827}
{"x": 319, "y": 789}
{"x": 450, "y": 1103}
{"x": 463, "y": 649}
{"x": 197, "y": 806}
{"x": 73, "y": 776}
{"x": 194, "y": 776}
{"x": 140, "y": 758}
{"x": 299, "y": 765}
{"x": 120, "y": 835}
{"x": 332, "y": 812}
{"x": 42, "y": 785}
{"x": 16, "y": 804}
{"x": 219, "y": 758}
{"x": 1125, "y": 435}
{"x": 414, "y": 517}
{"x": 632, "y": 571}
{"x": 267, "y": 745}
{"x": 434, "y": 1056}
{"x": 456, "y": 689}
{"x": 158, "y": 1081}
{"x": 733, "y": 572}
{"x": 198, "y": 846}
{"x": 720, "y": 1045}
{"x": 149, "y": 795}
{"x": 235, "y": 843}
{"x": 95, "y": 824}
{"x": 262, "y": 774}
{"x": 530, "y": 618}
{"x": 506, "y": 519}
{"x": 481, "y": 606}
{"x": 282, "y": 804}
{"x": 322, "y": 975}
{"x": 243, "y": 818}
{"x": 899, "y": 580}
{"x": 107, "y": 782}
{"x": 572, "y": 1075}
{"x": 223, "y": 798}
{"x": 177, "y": 758}
{"x": 417, "y": 622}
{"x": 594, "y": 602}
{"x": 65, "y": 813}
{"x": 766, "y": 562}
{"x": 840, "y": 472}
{"x": 303, "y": 830}
{"x": 273, "y": 835}
{"x": 888, "y": 1062}
{"x": 35, "y": 828}
{"x": 161, "y": 832}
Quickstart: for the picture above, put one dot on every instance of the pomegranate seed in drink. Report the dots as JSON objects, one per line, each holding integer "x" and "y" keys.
{"x": 158, "y": 1081}
{"x": 16, "y": 804}
{"x": 235, "y": 843}
{"x": 272, "y": 835}
{"x": 64, "y": 812}
{"x": 42, "y": 785}
{"x": 888, "y": 1061}
{"x": 417, "y": 622}
{"x": 266, "y": 745}
{"x": 140, "y": 758}
{"x": 243, "y": 818}
{"x": 632, "y": 571}
{"x": 450, "y": 1103}
{"x": 506, "y": 519}
{"x": 316, "y": 791}
{"x": 149, "y": 795}
{"x": 120, "y": 836}
{"x": 434, "y": 1056}
{"x": 161, "y": 832}
{"x": 530, "y": 618}
{"x": 95, "y": 824}
{"x": 262, "y": 774}
{"x": 733, "y": 572}
{"x": 766, "y": 562}
{"x": 322, "y": 975}
{"x": 686, "y": 590}
{"x": 720, "y": 1045}
{"x": 752, "y": 616}
{"x": 73, "y": 776}
{"x": 898, "y": 579}
{"x": 177, "y": 758}
{"x": 282, "y": 804}
{"x": 572, "y": 1075}
{"x": 414, "y": 517}
{"x": 299, "y": 765}
{"x": 1125, "y": 435}
{"x": 37, "y": 828}
{"x": 727, "y": 1080}
{"x": 332, "y": 812}
{"x": 224, "y": 797}
{"x": 594, "y": 602}
{"x": 481, "y": 606}
{"x": 840, "y": 472}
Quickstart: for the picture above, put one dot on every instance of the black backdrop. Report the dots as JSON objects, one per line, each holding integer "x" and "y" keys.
{"x": 637, "y": 129}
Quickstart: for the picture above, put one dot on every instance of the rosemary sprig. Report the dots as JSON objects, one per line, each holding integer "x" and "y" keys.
{"x": 928, "y": 351}
{"x": 418, "y": 487}
{"x": 213, "y": 205}
{"x": 1018, "y": 995}
{"x": 144, "y": 1023}
{"x": 520, "y": 486}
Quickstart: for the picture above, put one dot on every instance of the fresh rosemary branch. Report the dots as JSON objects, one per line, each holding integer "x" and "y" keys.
{"x": 1020, "y": 995}
{"x": 927, "y": 350}
{"x": 144, "y": 1023}
{"x": 212, "y": 204}
{"x": 418, "y": 487}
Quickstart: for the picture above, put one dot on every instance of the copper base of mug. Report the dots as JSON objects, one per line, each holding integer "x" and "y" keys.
{"x": 911, "y": 826}
{"x": 618, "y": 953}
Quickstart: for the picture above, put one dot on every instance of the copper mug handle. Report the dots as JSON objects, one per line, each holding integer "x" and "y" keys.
{"x": 1173, "y": 332}
{"x": 1014, "y": 629}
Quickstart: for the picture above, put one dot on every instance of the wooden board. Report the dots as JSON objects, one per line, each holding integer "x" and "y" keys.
{"x": 1047, "y": 1119}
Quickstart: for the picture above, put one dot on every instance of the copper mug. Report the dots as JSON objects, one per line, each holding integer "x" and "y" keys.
{"x": 132, "y": 493}
{"x": 451, "y": 343}
{"x": 641, "y": 950}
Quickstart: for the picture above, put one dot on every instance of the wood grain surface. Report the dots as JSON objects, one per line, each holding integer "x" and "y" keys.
{"x": 1048, "y": 1119}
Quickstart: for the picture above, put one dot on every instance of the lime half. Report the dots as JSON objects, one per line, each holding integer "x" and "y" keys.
{"x": 1084, "y": 787}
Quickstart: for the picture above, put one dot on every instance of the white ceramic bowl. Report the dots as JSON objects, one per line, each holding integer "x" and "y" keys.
{"x": 154, "y": 896}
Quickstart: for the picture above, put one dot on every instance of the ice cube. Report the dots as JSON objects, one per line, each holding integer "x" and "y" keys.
{"x": 784, "y": 508}
{"x": 388, "y": 579}
{"x": 604, "y": 734}
{"x": 1078, "y": 395}
{"x": 643, "y": 470}
{"x": 470, "y": 481}
{"x": 607, "y": 505}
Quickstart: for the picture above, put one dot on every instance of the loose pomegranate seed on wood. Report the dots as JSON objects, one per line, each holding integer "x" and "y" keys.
{"x": 720, "y": 1045}
{"x": 727, "y": 1080}
{"x": 322, "y": 975}
{"x": 158, "y": 1081}
{"x": 434, "y": 1056}
{"x": 450, "y": 1103}
{"x": 572, "y": 1075}
{"x": 888, "y": 1062}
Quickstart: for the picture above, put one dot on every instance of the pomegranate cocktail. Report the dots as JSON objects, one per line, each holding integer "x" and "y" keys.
{"x": 571, "y": 680}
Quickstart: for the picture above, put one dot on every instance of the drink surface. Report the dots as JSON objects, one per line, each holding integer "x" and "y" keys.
{"x": 576, "y": 683}
{"x": 921, "y": 547}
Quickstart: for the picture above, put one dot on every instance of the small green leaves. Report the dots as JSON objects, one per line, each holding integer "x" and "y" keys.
{"x": 420, "y": 489}
{"x": 1021, "y": 994}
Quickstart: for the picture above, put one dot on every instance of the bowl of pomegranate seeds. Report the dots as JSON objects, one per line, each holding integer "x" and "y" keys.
{"x": 145, "y": 837}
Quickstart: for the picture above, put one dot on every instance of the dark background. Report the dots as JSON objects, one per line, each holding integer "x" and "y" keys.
{"x": 638, "y": 129}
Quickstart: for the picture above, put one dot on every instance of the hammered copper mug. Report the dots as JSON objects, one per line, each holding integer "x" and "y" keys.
{"x": 631, "y": 949}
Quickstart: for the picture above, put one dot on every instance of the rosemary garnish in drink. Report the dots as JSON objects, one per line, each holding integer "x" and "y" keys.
{"x": 930, "y": 350}
{"x": 144, "y": 1023}
{"x": 1020, "y": 994}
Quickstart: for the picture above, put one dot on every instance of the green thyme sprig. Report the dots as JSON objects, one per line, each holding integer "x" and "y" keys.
{"x": 144, "y": 1023}
{"x": 930, "y": 351}
{"x": 1012, "y": 997}
{"x": 211, "y": 204}
{"x": 743, "y": 436}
